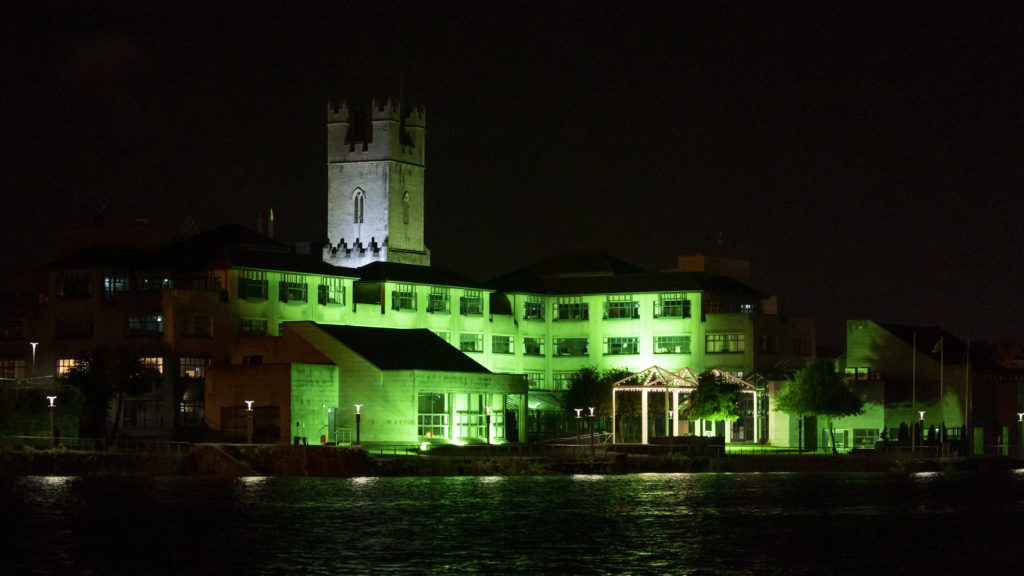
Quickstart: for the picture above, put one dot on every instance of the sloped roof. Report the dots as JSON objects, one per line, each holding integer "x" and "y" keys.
{"x": 952, "y": 350}
{"x": 395, "y": 272}
{"x": 398, "y": 349}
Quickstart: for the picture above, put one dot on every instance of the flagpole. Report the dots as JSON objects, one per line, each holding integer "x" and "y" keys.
{"x": 913, "y": 395}
{"x": 967, "y": 403}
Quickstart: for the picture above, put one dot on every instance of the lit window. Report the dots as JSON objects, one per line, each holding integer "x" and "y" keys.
{"x": 572, "y": 308}
{"x": 153, "y": 363}
{"x": 193, "y": 367}
{"x": 471, "y": 303}
{"x": 292, "y": 288}
{"x": 560, "y": 380}
{"x": 437, "y": 300}
{"x": 12, "y": 369}
{"x": 621, "y": 346}
{"x": 113, "y": 284}
{"x": 621, "y": 306}
{"x": 671, "y": 344}
{"x": 535, "y": 380}
{"x": 403, "y": 297}
{"x": 725, "y": 343}
{"x": 672, "y": 305}
{"x": 432, "y": 415}
{"x": 252, "y": 284}
{"x": 471, "y": 342}
{"x": 501, "y": 345}
{"x": 146, "y": 325}
{"x": 571, "y": 347}
{"x": 533, "y": 308}
{"x": 64, "y": 366}
{"x": 331, "y": 291}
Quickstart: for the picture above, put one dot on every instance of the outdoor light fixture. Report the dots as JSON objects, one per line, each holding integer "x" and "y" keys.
{"x": 1020, "y": 416}
{"x": 578, "y": 411}
{"x": 921, "y": 413}
{"x": 590, "y": 420}
{"x": 248, "y": 404}
{"x": 359, "y": 418}
{"x": 34, "y": 344}
{"x": 249, "y": 424}
{"x": 52, "y": 405}
{"x": 52, "y": 399}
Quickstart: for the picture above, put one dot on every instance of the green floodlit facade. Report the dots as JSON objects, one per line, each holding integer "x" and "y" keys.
{"x": 199, "y": 304}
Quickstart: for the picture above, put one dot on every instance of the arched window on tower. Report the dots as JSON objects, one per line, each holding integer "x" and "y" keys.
{"x": 405, "y": 208}
{"x": 358, "y": 199}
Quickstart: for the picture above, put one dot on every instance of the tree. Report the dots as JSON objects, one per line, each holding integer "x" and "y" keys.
{"x": 716, "y": 398}
{"x": 104, "y": 375}
{"x": 817, "y": 389}
{"x": 588, "y": 387}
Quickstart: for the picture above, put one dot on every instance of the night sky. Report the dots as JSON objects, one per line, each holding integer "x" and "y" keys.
{"x": 867, "y": 159}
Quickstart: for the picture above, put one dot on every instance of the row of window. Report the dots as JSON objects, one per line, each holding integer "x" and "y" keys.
{"x": 612, "y": 346}
{"x": 187, "y": 367}
{"x": 253, "y": 285}
{"x": 192, "y": 326}
{"x": 471, "y": 303}
{"x": 77, "y": 283}
{"x": 616, "y": 307}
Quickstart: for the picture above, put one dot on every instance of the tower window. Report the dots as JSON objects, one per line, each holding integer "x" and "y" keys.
{"x": 358, "y": 199}
{"x": 405, "y": 208}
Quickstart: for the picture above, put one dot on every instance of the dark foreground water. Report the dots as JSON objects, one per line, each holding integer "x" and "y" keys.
{"x": 964, "y": 523}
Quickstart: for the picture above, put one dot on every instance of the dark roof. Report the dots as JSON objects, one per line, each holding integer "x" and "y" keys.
{"x": 953, "y": 350}
{"x": 603, "y": 274}
{"x": 395, "y": 272}
{"x": 398, "y": 349}
{"x": 101, "y": 257}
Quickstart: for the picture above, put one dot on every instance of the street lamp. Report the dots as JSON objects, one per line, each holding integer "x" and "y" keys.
{"x": 920, "y": 427}
{"x": 1020, "y": 424}
{"x": 578, "y": 418}
{"x": 52, "y": 406}
{"x": 359, "y": 418}
{"x": 248, "y": 409}
{"x": 34, "y": 344}
{"x": 590, "y": 418}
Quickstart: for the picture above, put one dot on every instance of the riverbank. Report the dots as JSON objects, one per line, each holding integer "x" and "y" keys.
{"x": 233, "y": 460}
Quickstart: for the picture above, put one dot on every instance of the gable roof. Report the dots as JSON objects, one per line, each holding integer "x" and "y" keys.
{"x": 927, "y": 339}
{"x": 397, "y": 272}
{"x": 398, "y": 349}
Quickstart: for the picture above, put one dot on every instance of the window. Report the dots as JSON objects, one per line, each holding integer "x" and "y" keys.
{"x": 64, "y": 366}
{"x": 146, "y": 325}
{"x": 432, "y": 415}
{"x": 148, "y": 283}
{"x": 865, "y": 438}
{"x": 471, "y": 342}
{"x": 560, "y": 380}
{"x": 253, "y": 327}
{"x": 73, "y": 284}
{"x": 403, "y": 297}
{"x": 12, "y": 369}
{"x": 71, "y": 327}
{"x": 193, "y": 367}
{"x": 801, "y": 347}
{"x": 192, "y": 413}
{"x": 535, "y": 380}
{"x": 672, "y": 305}
{"x": 197, "y": 326}
{"x": 437, "y": 300}
{"x": 331, "y": 292}
{"x": 114, "y": 284}
{"x": 571, "y": 308}
{"x": 471, "y": 303}
{"x": 153, "y": 363}
{"x": 671, "y": 344}
{"x": 725, "y": 343}
{"x": 768, "y": 344}
{"x": 292, "y": 288}
{"x": 501, "y": 345}
{"x": 571, "y": 347}
{"x": 533, "y": 346}
{"x": 621, "y": 345}
{"x": 533, "y": 308}
{"x": 358, "y": 200}
{"x": 858, "y": 373}
{"x": 10, "y": 329}
{"x": 252, "y": 285}
{"x": 621, "y": 306}
{"x": 405, "y": 208}
{"x": 446, "y": 336}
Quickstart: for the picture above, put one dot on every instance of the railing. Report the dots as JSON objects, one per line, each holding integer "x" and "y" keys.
{"x": 96, "y": 445}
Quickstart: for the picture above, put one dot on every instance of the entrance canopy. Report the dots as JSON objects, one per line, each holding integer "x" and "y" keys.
{"x": 658, "y": 379}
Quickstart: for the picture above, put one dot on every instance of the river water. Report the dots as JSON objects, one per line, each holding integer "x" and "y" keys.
{"x": 955, "y": 523}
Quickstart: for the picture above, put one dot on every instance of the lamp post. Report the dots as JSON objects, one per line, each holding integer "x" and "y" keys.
{"x": 34, "y": 344}
{"x": 1020, "y": 425}
{"x": 920, "y": 427}
{"x": 359, "y": 418}
{"x": 52, "y": 406}
{"x": 578, "y": 418}
{"x": 590, "y": 418}
{"x": 249, "y": 423}
{"x": 488, "y": 424}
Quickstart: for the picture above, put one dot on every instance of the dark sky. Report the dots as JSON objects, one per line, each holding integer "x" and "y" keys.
{"x": 867, "y": 159}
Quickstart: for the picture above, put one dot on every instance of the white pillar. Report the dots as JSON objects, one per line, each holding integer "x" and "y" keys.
{"x": 757, "y": 419}
{"x": 643, "y": 417}
{"x": 615, "y": 437}
{"x": 675, "y": 412}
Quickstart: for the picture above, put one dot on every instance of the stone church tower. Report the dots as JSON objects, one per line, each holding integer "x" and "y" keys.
{"x": 375, "y": 167}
